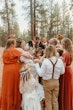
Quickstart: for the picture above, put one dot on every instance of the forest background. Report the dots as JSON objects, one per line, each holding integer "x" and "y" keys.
{"x": 29, "y": 18}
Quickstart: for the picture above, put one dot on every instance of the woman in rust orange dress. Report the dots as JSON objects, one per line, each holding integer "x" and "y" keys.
{"x": 10, "y": 96}
{"x": 65, "y": 96}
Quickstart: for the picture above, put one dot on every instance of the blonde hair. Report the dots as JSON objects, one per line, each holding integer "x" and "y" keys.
{"x": 50, "y": 51}
{"x": 67, "y": 43}
{"x": 25, "y": 76}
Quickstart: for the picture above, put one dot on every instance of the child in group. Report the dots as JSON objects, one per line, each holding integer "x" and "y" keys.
{"x": 38, "y": 53}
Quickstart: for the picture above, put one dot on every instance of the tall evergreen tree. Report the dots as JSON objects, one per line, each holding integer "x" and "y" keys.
{"x": 8, "y": 16}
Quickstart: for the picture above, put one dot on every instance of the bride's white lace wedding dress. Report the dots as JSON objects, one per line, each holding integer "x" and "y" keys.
{"x": 32, "y": 91}
{"x": 30, "y": 100}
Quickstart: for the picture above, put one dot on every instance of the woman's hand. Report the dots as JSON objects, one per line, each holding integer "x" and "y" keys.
{"x": 38, "y": 61}
{"x": 27, "y": 55}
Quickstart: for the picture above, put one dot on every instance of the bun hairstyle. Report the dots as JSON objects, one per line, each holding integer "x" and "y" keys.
{"x": 11, "y": 36}
{"x": 59, "y": 37}
{"x": 9, "y": 42}
{"x": 50, "y": 51}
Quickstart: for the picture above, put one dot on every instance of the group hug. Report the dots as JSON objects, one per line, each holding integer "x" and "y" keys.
{"x": 37, "y": 75}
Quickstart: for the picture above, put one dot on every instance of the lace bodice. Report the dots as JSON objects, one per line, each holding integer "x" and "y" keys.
{"x": 29, "y": 62}
{"x": 29, "y": 86}
{"x": 32, "y": 84}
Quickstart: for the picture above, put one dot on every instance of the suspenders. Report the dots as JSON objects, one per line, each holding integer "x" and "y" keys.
{"x": 53, "y": 67}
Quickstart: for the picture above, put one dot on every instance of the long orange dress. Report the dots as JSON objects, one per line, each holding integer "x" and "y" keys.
{"x": 65, "y": 95}
{"x": 10, "y": 96}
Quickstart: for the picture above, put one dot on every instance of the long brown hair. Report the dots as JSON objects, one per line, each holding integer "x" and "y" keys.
{"x": 18, "y": 42}
{"x": 50, "y": 51}
{"x": 67, "y": 43}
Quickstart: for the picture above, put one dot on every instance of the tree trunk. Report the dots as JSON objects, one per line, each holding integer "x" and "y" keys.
{"x": 8, "y": 22}
{"x": 34, "y": 17}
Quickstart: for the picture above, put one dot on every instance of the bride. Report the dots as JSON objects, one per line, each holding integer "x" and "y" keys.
{"x": 29, "y": 87}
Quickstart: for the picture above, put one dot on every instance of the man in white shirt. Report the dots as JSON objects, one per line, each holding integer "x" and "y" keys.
{"x": 50, "y": 71}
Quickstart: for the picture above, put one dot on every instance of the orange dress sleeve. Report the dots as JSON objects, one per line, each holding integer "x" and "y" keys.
{"x": 11, "y": 55}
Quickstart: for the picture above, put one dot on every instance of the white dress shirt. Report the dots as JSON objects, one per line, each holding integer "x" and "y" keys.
{"x": 46, "y": 69}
